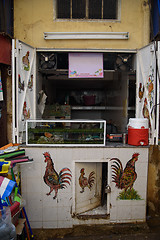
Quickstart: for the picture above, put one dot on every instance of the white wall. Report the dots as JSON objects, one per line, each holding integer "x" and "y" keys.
{"x": 44, "y": 211}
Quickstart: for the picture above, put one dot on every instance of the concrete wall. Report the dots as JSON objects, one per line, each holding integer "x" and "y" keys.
{"x": 34, "y": 17}
{"x": 154, "y": 181}
{"x": 44, "y": 211}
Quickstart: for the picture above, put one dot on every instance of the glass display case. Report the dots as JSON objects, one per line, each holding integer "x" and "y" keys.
{"x": 65, "y": 132}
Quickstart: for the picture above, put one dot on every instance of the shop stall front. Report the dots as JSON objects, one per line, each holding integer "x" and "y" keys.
{"x": 71, "y": 113}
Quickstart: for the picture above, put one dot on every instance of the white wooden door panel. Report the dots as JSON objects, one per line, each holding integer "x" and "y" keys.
{"x": 24, "y": 86}
{"x": 147, "y": 89}
{"x": 88, "y": 186}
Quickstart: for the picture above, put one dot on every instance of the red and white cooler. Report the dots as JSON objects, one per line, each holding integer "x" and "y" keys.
{"x": 138, "y": 131}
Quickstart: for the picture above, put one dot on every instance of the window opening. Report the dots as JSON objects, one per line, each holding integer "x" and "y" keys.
{"x": 88, "y": 98}
{"x": 110, "y": 9}
{"x": 95, "y": 12}
{"x": 63, "y": 9}
{"x": 87, "y": 9}
{"x": 78, "y": 9}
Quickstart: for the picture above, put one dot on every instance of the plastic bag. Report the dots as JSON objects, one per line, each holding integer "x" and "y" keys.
{"x": 7, "y": 229}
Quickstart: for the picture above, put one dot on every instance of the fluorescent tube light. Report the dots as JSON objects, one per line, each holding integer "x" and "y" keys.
{"x": 85, "y": 35}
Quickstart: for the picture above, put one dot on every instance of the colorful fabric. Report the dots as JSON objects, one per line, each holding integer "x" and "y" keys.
{"x": 6, "y": 187}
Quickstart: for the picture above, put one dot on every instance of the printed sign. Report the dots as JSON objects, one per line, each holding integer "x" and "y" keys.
{"x": 85, "y": 65}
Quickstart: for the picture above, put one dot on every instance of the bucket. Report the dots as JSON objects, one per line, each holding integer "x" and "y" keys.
{"x": 138, "y": 131}
{"x": 89, "y": 100}
{"x": 138, "y": 137}
{"x": 138, "y": 123}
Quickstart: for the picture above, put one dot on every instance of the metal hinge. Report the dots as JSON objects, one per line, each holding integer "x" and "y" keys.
{"x": 15, "y": 131}
{"x": 152, "y": 48}
{"x": 20, "y": 46}
{"x": 15, "y": 52}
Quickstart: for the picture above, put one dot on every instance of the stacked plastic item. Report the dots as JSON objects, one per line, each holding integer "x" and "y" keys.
{"x": 7, "y": 229}
{"x": 11, "y": 202}
{"x": 138, "y": 131}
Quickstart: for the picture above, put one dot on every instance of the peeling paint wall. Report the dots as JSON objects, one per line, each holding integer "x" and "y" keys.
{"x": 154, "y": 181}
{"x": 34, "y": 17}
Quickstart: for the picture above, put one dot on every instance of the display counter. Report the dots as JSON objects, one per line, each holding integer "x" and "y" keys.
{"x": 65, "y": 133}
{"x": 79, "y": 178}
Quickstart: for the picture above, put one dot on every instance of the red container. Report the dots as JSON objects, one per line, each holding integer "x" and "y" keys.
{"x": 138, "y": 137}
{"x": 89, "y": 100}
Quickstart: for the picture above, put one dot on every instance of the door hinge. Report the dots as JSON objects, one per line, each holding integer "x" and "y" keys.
{"x": 152, "y": 48}
{"x": 15, "y": 131}
{"x": 20, "y": 46}
{"x": 15, "y": 52}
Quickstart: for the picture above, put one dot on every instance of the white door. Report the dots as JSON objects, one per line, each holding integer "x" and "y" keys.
{"x": 88, "y": 186}
{"x": 147, "y": 89}
{"x": 23, "y": 87}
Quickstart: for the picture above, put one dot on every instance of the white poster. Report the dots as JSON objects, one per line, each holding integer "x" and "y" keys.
{"x": 85, "y": 65}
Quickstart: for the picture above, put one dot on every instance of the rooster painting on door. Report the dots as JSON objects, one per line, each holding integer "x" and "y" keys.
{"x": 86, "y": 182}
{"x": 26, "y": 62}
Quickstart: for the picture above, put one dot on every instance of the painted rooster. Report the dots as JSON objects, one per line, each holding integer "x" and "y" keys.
{"x": 26, "y": 113}
{"x": 30, "y": 83}
{"x": 20, "y": 84}
{"x": 25, "y": 59}
{"x": 54, "y": 180}
{"x": 141, "y": 91}
{"x": 124, "y": 179}
{"x": 86, "y": 182}
{"x": 145, "y": 111}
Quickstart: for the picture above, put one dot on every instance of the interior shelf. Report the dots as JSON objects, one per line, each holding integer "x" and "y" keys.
{"x": 99, "y": 108}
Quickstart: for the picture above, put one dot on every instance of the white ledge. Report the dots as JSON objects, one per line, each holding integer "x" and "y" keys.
{"x": 85, "y": 35}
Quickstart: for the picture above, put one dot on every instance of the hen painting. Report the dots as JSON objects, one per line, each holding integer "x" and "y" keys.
{"x": 53, "y": 179}
{"x": 26, "y": 113}
{"x": 20, "y": 84}
{"x": 25, "y": 61}
{"x": 124, "y": 178}
{"x": 141, "y": 91}
{"x": 146, "y": 111}
{"x": 86, "y": 182}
